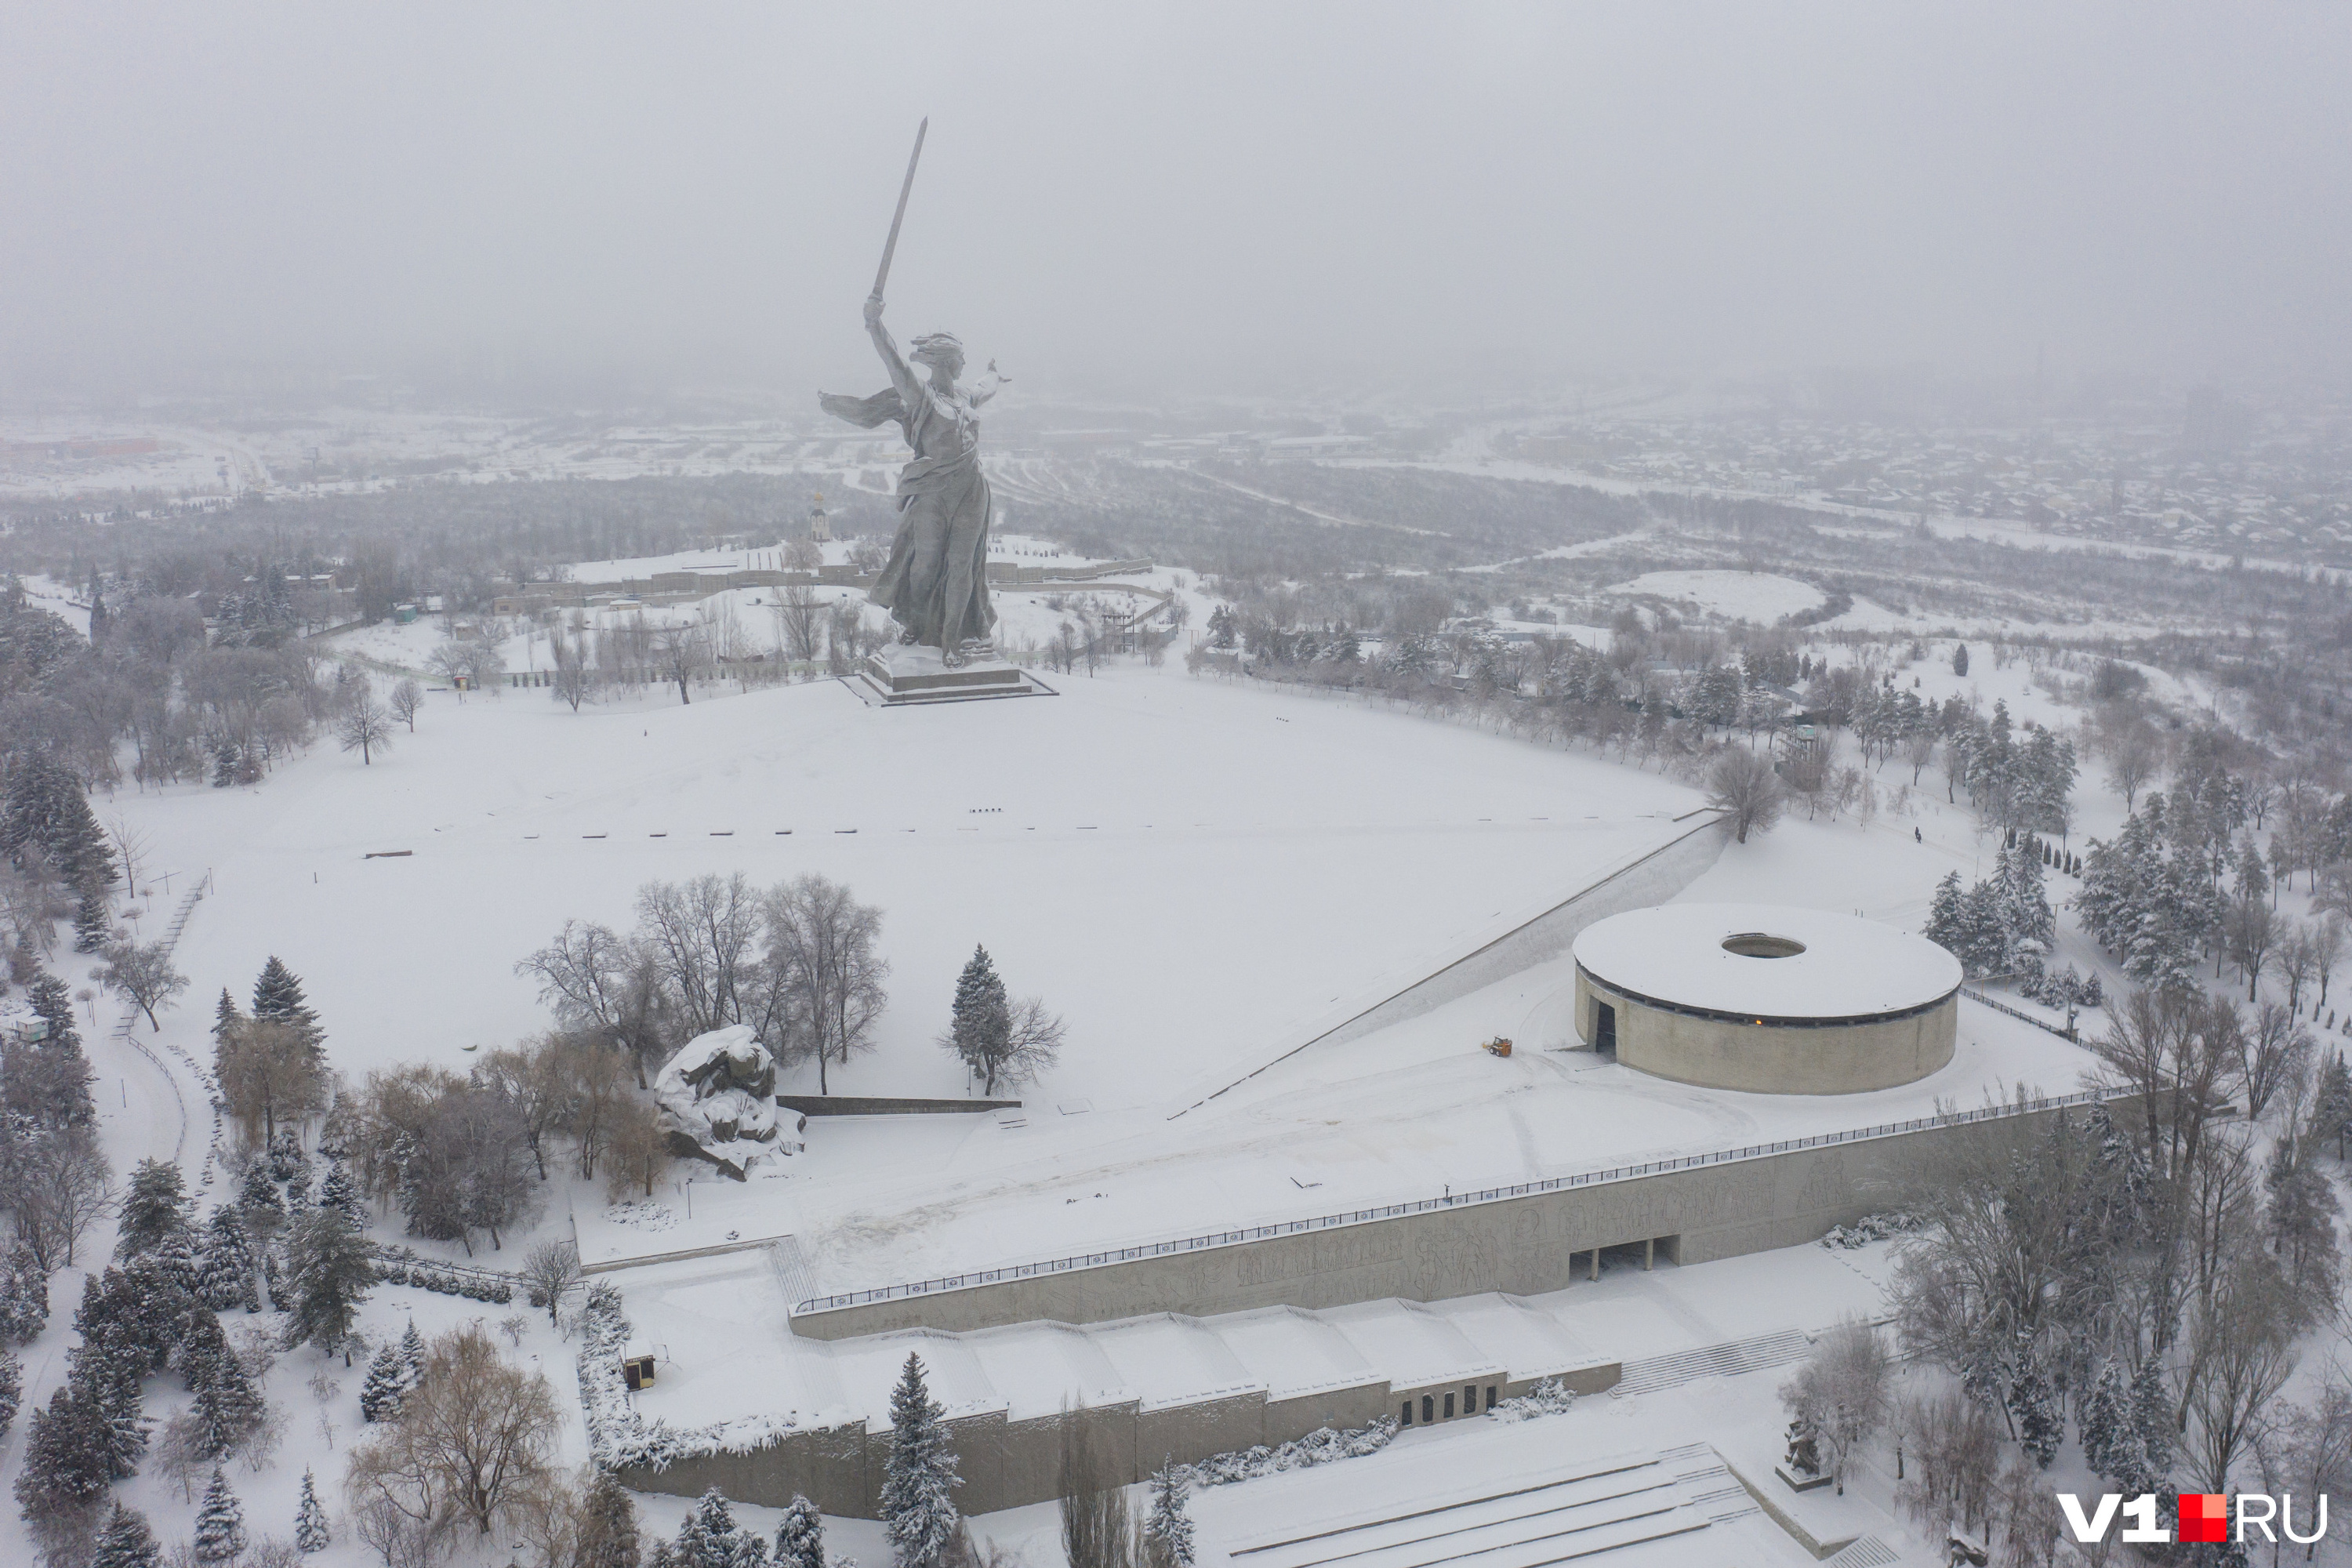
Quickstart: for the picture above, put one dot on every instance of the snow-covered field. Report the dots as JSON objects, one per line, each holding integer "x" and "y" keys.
{"x": 1182, "y": 868}
{"x": 1741, "y": 595}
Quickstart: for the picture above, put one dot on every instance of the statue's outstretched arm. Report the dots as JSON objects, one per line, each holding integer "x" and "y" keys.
{"x": 987, "y": 384}
{"x": 902, "y": 375}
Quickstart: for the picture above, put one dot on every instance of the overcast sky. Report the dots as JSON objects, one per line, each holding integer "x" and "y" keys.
{"x": 1244, "y": 199}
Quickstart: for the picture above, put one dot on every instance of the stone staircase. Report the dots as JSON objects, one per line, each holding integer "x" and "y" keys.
{"x": 1627, "y": 1501}
{"x": 1727, "y": 1360}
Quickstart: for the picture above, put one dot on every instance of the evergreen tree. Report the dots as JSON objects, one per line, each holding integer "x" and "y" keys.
{"x": 310, "y": 1532}
{"x": 1945, "y": 926}
{"x": 2028, "y": 930}
{"x": 340, "y": 1192}
{"x": 2331, "y": 1110}
{"x": 411, "y": 1351}
{"x": 46, "y": 808}
{"x": 167, "y": 1277}
{"x": 1983, "y": 950}
{"x": 800, "y": 1536}
{"x": 1167, "y": 1532}
{"x": 918, "y": 1511}
{"x": 126, "y": 1541}
{"x": 608, "y": 1526}
{"x": 220, "y": 1523}
{"x": 12, "y": 1388}
{"x": 2108, "y": 1434}
{"x": 24, "y": 1296}
{"x": 53, "y": 1005}
{"x": 980, "y": 1023}
{"x": 67, "y": 1460}
{"x": 2152, "y": 1423}
{"x": 228, "y": 1405}
{"x": 331, "y": 1268}
{"x": 93, "y": 920}
{"x": 278, "y": 994}
{"x": 2041, "y": 1415}
{"x": 285, "y": 1154}
{"x": 257, "y": 1195}
{"x": 298, "y": 1192}
{"x": 707, "y": 1538}
{"x": 1960, "y": 659}
{"x": 156, "y": 1205}
{"x": 387, "y": 1384}
{"x": 225, "y": 1264}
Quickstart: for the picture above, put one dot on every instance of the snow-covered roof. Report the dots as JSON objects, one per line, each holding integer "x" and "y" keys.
{"x": 1845, "y": 967}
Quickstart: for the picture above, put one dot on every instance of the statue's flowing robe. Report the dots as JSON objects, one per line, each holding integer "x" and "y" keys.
{"x": 936, "y": 582}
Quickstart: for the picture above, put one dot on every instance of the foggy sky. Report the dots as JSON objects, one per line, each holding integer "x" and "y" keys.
{"x": 1199, "y": 196}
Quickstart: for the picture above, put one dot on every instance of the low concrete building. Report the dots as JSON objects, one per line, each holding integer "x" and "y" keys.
{"x": 1766, "y": 998}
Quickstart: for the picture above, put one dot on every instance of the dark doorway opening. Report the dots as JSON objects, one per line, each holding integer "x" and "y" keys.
{"x": 1604, "y": 1031}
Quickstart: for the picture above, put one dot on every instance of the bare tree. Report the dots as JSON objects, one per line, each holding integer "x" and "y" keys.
{"x": 1097, "y": 1530}
{"x": 474, "y": 1436}
{"x": 2270, "y": 1051}
{"x": 800, "y": 622}
{"x": 266, "y": 1070}
{"x": 637, "y": 1151}
{"x": 575, "y": 672}
{"x": 704, "y": 934}
{"x": 2242, "y": 1339}
{"x": 366, "y": 726}
{"x": 1743, "y": 786}
{"x": 1033, "y": 1043}
{"x": 1842, "y": 1393}
{"x": 2298, "y": 959}
{"x": 2326, "y": 950}
{"x": 130, "y": 847}
{"x": 142, "y": 975}
{"x": 820, "y": 946}
{"x": 549, "y": 1270}
{"x": 2249, "y": 932}
{"x": 599, "y": 982}
{"x": 682, "y": 654}
{"x": 56, "y": 1187}
{"x": 2133, "y": 758}
{"x": 406, "y": 698}
{"x": 1955, "y": 1455}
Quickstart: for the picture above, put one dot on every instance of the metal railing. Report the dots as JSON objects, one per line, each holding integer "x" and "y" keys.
{"x": 1427, "y": 1205}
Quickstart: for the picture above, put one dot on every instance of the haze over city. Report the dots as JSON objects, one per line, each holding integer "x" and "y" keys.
{"x": 1282, "y": 786}
{"x": 1224, "y": 199}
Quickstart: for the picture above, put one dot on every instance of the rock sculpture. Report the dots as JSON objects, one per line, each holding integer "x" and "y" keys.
{"x": 718, "y": 1100}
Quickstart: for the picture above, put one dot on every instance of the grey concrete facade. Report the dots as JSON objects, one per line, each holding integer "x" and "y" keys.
{"x": 1008, "y": 1463}
{"x": 1766, "y": 1057}
{"x": 1524, "y": 1246}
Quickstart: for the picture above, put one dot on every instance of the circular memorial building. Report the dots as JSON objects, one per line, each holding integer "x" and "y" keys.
{"x": 1766, "y": 998}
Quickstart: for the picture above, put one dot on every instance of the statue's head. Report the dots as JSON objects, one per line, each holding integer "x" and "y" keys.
{"x": 942, "y": 352}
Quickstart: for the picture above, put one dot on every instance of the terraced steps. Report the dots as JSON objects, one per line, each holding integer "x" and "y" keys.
{"x": 1725, "y": 1360}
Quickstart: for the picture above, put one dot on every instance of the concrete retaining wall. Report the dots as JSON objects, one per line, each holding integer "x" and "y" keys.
{"x": 1522, "y": 1246}
{"x": 850, "y": 1105}
{"x": 1007, "y": 1463}
{"x": 1653, "y": 879}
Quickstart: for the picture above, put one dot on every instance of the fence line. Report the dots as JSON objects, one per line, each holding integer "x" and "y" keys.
{"x": 1427, "y": 1205}
{"x": 2018, "y": 1014}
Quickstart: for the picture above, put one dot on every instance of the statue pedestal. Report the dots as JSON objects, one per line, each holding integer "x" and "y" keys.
{"x": 902, "y": 676}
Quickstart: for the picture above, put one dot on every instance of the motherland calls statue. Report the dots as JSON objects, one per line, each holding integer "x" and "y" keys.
{"x": 935, "y": 585}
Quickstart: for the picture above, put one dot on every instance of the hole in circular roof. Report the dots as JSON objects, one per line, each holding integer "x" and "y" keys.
{"x": 1756, "y": 944}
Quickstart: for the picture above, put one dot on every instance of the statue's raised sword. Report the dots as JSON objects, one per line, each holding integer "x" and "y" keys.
{"x": 882, "y": 275}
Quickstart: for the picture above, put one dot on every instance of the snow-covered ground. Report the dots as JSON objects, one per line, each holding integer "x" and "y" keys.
{"x": 1182, "y": 867}
{"x": 1760, "y": 596}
